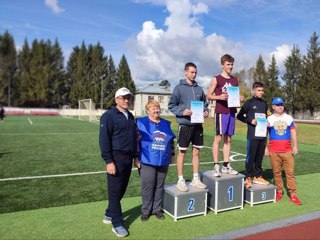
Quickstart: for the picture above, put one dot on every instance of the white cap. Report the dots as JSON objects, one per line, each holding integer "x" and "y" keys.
{"x": 122, "y": 92}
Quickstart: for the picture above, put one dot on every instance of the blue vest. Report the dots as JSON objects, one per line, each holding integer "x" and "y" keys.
{"x": 155, "y": 144}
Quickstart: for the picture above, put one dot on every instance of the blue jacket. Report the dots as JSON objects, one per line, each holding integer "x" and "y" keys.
{"x": 156, "y": 145}
{"x": 181, "y": 99}
{"x": 117, "y": 134}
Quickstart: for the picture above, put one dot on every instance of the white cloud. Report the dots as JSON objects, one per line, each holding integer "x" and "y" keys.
{"x": 280, "y": 54}
{"x": 161, "y": 53}
{"x": 53, "y": 4}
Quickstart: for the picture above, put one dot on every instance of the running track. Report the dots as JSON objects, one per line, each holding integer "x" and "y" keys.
{"x": 300, "y": 227}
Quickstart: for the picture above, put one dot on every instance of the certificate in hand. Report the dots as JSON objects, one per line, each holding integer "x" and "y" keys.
{"x": 233, "y": 96}
{"x": 261, "y": 127}
{"x": 197, "y": 112}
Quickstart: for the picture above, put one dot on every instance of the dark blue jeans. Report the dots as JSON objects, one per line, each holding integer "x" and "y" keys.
{"x": 117, "y": 186}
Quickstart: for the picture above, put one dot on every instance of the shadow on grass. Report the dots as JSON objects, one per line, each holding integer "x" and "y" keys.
{"x": 4, "y": 153}
{"x": 132, "y": 214}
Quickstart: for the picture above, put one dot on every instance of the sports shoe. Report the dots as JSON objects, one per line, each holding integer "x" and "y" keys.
{"x": 229, "y": 170}
{"x": 160, "y": 215}
{"x": 295, "y": 200}
{"x": 216, "y": 171}
{"x": 182, "y": 186}
{"x": 279, "y": 196}
{"x": 120, "y": 231}
{"x": 248, "y": 182}
{"x": 106, "y": 220}
{"x": 197, "y": 183}
{"x": 260, "y": 180}
{"x": 145, "y": 217}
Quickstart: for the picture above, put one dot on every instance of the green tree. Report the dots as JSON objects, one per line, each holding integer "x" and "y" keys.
{"x": 260, "y": 74}
{"x": 293, "y": 65}
{"x": 124, "y": 78}
{"x": 110, "y": 84}
{"x": 24, "y": 75}
{"x": 77, "y": 74}
{"x": 309, "y": 84}
{"x": 57, "y": 78}
{"x": 39, "y": 71}
{"x": 272, "y": 87}
{"x": 98, "y": 73}
{"x": 8, "y": 66}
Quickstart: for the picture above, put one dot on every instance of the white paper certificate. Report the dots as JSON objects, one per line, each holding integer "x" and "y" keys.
{"x": 233, "y": 96}
{"x": 197, "y": 112}
{"x": 261, "y": 127}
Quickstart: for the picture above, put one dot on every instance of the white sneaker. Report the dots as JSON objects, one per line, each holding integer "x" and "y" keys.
{"x": 182, "y": 186}
{"x": 197, "y": 183}
{"x": 229, "y": 170}
{"x": 216, "y": 171}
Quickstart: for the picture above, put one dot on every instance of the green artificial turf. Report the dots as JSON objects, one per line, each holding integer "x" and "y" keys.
{"x": 84, "y": 221}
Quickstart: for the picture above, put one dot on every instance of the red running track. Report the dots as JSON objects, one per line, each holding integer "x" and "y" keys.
{"x": 305, "y": 230}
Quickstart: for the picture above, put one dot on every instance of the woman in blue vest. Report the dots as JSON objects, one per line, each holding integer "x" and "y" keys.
{"x": 156, "y": 152}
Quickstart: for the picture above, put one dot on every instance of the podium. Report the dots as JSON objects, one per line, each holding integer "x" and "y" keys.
{"x": 225, "y": 192}
{"x": 180, "y": 204}
{"x": 260, "y": 194}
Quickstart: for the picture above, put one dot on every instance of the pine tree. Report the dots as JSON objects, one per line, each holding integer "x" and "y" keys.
{"x": 24, "y": 75}
{"x": 260, "y": 74}
{"x": 124, "y": 78}
{"x": 8, "y": 54}
{"x": 110, "y": 86}
{"x": 71, "y": 76}
{"x": 98, "y": 73}
{"x": 293, "y": 65}
{"x": 77, "y": 76}
{"x": 272, "y": 87}
{"x": 309, "y": 84}
{"x": 57, "y": 79}
{"x": 39, "y": 71}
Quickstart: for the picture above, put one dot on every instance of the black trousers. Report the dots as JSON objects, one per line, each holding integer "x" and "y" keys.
{"x": 117, "y": 186}
{"x": 255, "y": 152}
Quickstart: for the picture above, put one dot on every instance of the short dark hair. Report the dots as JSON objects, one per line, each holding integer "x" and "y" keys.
{"x": 257, "y": 84}
{"x": 227, "y": 58}
{"x": 189, "y": 64}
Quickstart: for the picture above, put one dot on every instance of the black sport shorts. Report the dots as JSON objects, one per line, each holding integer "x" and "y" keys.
{"x": 187, "y": 134}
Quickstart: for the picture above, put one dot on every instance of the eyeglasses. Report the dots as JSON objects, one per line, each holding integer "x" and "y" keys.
{"x": 125, "y": 98}
{"x": 279, "y": 105}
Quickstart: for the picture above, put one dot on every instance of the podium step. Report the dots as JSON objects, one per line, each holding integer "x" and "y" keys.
{"x": 179, "y": 204}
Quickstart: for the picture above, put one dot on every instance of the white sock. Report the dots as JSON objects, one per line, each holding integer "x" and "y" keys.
{"x": 181, "y": 177}
{"x": 195, "y": 176}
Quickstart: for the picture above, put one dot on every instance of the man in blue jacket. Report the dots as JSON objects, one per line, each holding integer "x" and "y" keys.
{"x": 118, "y": 145}
{"x": 180, "y": 104}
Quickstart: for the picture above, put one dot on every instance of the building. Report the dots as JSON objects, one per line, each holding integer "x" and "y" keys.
{"x": 160, "y": 92}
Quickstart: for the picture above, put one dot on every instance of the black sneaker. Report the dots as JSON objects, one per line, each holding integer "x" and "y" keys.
{"x": 145, "y": 217}
{"x": 160, "y": 215}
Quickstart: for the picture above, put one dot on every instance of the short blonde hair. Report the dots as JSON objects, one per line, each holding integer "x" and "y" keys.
{"x": 152, "y": 103}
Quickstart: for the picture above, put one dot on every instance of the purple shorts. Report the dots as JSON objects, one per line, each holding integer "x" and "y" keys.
{"x": 225, "y": 123}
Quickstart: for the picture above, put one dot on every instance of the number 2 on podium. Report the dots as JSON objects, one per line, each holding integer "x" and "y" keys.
{"x": 192, "y": 201}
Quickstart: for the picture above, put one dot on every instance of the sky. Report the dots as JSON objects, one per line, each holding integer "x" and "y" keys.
{"x": 159, "y": 36}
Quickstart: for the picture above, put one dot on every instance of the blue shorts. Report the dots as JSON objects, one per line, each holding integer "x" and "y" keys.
{"x": 225, "y": 123}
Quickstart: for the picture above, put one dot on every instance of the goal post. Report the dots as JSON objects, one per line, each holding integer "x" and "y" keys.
{"x": 87, "y": 110}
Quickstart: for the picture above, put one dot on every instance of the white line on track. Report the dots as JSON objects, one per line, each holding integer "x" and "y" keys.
{"x": 87, "y": 173}
{"x": 30, "y": 121}
{"x": 234, "y": 154}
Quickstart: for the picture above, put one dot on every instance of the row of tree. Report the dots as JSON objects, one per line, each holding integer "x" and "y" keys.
{"x": 300, "y": 85}
{"x": 35, "y": 76}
